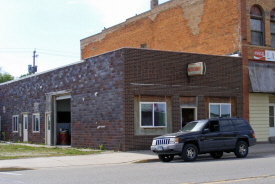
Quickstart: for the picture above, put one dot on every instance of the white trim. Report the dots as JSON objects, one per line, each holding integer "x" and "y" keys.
{"x": 34, "y": 114}
{"x": 220, "y": 108}
{"x": 153, "y": 115}
{"x": 62, "y": 97}
{"x": 271, "y": 105}
{"x": 17, "y": 123}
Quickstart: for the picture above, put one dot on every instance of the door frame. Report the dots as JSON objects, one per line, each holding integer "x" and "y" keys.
{"x": 25, "y": 115}
{"x": 46, "y": 129}
{"x": 195, "y": 113}
{"x": 272, "y": 130}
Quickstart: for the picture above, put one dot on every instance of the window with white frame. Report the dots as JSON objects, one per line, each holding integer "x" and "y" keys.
{"x": 271, "y": 115}
{"x": 152, "y": 114}
{"x": 15, "y": 123}
{"x": 35, "y": 123}
{"x": 217, "y": 110}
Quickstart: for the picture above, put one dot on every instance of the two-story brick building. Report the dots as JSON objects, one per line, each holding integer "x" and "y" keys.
{"x": 243, "y": 27}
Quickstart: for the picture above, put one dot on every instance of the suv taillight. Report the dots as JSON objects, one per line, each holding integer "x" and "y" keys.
{"x": 253, "y": 134}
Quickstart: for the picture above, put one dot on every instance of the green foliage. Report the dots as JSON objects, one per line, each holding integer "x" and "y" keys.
{"x": 4, "y": 77}
{"x": 4, "y": 136}
{"x": 25, "y": 75}
{"x": 101, "y": 147}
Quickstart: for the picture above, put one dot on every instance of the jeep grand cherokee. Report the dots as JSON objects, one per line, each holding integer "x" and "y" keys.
{"x": 213, "y": 136}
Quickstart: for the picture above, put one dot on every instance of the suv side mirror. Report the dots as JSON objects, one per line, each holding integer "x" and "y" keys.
{"x": 205, "y": 131}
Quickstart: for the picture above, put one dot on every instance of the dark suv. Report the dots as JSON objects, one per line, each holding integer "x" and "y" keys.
{"x": 213, "y": 136}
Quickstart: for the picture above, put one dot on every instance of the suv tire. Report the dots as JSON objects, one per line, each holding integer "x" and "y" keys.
{"x": 189, "y": 153}
{"x": 166, "y": 158}
{"x": 241, "y": 149}
{"x": 217, "y": 154}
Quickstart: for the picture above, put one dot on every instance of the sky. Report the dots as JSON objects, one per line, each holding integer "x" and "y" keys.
{"x": 54, "y": 29}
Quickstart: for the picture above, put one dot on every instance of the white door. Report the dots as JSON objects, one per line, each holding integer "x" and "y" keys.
{"x": 271, "y": 120}
{"x": 25, "y": 128}
{"x": 48, "y": 128}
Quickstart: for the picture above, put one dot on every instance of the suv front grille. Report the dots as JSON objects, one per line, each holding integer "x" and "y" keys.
{"x": 162, "y": 141}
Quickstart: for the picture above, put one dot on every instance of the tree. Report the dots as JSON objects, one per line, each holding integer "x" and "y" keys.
{"x": 4, "y": 76}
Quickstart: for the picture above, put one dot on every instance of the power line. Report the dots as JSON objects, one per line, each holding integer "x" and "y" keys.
{"x": 19, "y": 50}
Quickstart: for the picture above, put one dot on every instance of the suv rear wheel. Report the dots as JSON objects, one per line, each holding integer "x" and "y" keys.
{"x": 166, "y": 158}
{"x": 189, "y": 153}
{"x": 217, "y": 154}
{"x": 241, "y": 149}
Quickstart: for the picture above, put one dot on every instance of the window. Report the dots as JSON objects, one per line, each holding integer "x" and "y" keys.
{"x": 213, "y": 126}
{"x": 256, "y": 26}
{"x": 226, "y": 125}
{"x": 35, "y": 123}
{"x": 272, "y": 28}
{"x": 271, "y": 115}
{"x": 219, "y": 110}
{"x": 241, "y": 125}
{"x": 153, "y": 114}
{"x": 15, "y": 123}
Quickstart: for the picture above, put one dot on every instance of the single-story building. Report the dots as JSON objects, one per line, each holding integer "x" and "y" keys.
{"x": 121, "y": 99}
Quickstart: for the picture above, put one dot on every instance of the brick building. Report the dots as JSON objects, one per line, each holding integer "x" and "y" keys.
{"x": 243, "y": 27}
{"x": 121, "y": 99}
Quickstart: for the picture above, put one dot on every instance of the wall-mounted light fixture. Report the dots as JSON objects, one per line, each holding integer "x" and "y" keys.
{"x": 96, "y": 93}
{"x": 100, "y": 127}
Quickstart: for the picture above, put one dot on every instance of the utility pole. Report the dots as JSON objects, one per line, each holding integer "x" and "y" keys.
{"x": 33, "y": 69}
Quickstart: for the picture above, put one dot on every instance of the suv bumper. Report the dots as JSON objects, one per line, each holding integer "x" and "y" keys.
{"x": 252, "y": 141}
{"x": 170, "y": 149}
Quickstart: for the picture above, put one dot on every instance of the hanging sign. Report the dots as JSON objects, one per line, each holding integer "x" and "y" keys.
{"x": 195, "y": 69}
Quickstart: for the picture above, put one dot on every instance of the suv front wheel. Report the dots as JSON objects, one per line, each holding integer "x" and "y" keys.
{"x": 241, "y": 149}
{"x": 189, "y": 153}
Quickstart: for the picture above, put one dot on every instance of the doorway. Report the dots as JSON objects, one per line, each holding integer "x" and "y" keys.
{"x": 48, "y": 129}
{"x": 271, "y": 120}
{"x": 25, "y": 128}
{"x": 188, "y": 115}
{"x": 63, "y": 120}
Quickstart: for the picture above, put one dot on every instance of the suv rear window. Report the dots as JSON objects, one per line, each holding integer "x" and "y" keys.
{"x": 241, "y": 125}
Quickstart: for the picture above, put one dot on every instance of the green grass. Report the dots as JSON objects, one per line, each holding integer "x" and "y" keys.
{"x": 13, "y": 151}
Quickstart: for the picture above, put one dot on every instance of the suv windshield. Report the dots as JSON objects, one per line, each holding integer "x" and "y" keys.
{"x": 194, "y": 126}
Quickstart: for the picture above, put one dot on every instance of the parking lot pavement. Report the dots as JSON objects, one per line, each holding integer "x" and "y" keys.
{"x": 102, "y": 159}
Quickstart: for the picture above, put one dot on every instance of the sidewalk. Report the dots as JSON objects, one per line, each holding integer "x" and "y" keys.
{"x": 103, "y": 159}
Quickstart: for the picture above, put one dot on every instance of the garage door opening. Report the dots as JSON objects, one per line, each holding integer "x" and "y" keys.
{"x": 63, "y": 120}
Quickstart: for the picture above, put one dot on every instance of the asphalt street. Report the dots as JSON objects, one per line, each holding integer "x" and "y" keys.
{"x": 257, "y": 168}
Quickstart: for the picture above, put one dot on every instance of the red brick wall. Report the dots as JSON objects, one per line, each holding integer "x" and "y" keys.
{"x": 207, "y": 26}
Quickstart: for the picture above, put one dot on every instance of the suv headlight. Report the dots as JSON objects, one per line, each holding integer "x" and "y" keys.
{"x": 174, "y": 140}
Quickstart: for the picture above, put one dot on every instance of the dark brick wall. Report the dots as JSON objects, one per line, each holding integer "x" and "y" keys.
{"x": 151, "y": 72}
{"x": 102, "y": 74}
{"x": 118, "y": 76}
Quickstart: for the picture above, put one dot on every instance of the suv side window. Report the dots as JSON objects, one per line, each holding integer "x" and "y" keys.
{"x": 241, "y": 125}
{"x": 213, "y": 126}
{"x": 226, "y": 126}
